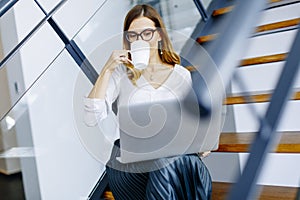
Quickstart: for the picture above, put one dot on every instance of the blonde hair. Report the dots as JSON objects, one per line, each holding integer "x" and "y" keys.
{"x": 165, "y": 50}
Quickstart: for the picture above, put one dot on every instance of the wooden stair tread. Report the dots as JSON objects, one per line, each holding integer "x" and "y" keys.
{"x": 240, "y": 142}
{"x": 259, "y": 29}
{"x": 258, "y": 98}
{"x": 255, "y": 98}
{"x": 274, "y": 1}
{"x": 224, "y": 10}
{"x": 264, "y": 59}
{"x": 278, "y": 25}
{"x": 206, "y": 38}
{"x": 107, "y": 195}
{"x": 220, "y": 191}
{"x": 256, "y": 60}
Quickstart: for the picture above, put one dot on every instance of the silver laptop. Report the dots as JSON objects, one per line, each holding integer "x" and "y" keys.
{"x": 167, "y": 128}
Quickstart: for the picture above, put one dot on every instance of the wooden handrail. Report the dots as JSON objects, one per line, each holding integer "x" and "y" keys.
{"x": 259, "y": 29}
{"x": 268, "y": 192}
{"x": 240, "y": 142}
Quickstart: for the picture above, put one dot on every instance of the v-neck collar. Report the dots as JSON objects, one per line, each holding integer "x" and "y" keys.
{"x": 143, "y": 81}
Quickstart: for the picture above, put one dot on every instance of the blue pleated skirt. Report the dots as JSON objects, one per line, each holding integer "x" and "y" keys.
{"x": 180, "y": 177}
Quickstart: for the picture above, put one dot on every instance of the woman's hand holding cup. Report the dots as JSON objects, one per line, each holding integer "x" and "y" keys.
{"x": 116, "y": 58}
{"x": 139, "y": 53}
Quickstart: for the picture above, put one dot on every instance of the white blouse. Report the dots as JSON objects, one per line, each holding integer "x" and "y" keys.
{"x": 175, "y": 87}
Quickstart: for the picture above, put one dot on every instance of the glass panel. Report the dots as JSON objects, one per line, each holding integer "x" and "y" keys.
{"x": 28, "y": 64}
{"x": 16, "y": 24}
{"x": 98, "y": 30}
{"x": 71, "y": 17}
{"x": 175, "y": 14}
{"x": 48, "y": 5}
{"x": 57, "y": 162}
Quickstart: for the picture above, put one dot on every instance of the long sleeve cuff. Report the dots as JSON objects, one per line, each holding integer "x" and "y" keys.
{"x": 95, "y": 110}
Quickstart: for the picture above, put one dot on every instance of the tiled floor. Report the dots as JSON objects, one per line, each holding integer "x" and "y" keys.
{"x": 11, "y": 187}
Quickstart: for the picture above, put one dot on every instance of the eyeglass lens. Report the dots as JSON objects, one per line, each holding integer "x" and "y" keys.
{"x": 146, "y": 35}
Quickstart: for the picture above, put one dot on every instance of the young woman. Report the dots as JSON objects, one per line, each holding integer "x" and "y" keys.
{"x": 186, "y": 176}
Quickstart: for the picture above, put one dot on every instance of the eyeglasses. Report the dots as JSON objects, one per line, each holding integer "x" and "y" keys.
{"x": 146, "y": 35}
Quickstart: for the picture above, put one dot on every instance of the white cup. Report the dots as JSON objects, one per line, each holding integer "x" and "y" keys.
{"x": 140, "y": 54}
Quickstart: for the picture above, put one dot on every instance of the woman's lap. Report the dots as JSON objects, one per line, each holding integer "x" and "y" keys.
{"x": 185, "y": 177}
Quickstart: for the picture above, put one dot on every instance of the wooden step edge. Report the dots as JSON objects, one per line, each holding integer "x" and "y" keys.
{"x": 224, "y": 10}
{"x": 190, "y": 68}
{"x": 280, "y": 3}
{"x": 259, "y": 98}
{"x": 264, "y": 59}
{"x": 240, "y": 142}
{"x": 220, "y": 191}
{"x": 274, "y": 1}
{"x": 206, "y": 38}
{"x": 256, "y": 98}
{"x": 107, "y": 195}
{"x": 256, "y": 60}
{"x": 278, "y": 25}
{"x": 259, "y": 29}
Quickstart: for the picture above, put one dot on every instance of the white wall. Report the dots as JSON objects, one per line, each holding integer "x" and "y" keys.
{"x": 65, "y": 168}
{"x": 8, "y": 94}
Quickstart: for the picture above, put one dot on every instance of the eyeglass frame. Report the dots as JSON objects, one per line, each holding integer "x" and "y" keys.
{"x": 140, "y": 34}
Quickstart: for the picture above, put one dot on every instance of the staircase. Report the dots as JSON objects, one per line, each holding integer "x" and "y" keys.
{"x": 240, "y": 140}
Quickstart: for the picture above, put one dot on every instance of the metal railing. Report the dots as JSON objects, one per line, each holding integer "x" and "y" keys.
{"x": 201, "y": 9}
{"x": 30, "y": 34}
{"x": 6, "y": 5}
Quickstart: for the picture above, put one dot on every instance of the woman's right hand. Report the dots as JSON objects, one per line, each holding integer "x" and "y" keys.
{"x": 116, "y": 58}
